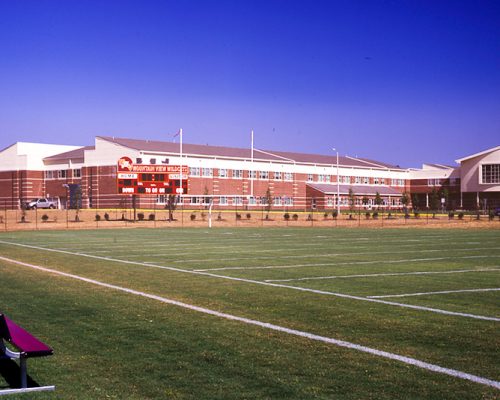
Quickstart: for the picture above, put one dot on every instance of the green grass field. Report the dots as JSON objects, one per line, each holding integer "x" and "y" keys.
{"x": 431, "y": 295}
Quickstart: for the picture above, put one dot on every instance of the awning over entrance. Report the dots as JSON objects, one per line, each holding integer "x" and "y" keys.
{"x": 358, "y": 190}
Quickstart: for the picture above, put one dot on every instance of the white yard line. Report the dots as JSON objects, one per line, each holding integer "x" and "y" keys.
{"x": 308, "y": 335}
{"x": 428, "y": 293}
{"x": 346, "y": 263}
{"x": 458, "y": 271}
{"x": 277, "y": 285}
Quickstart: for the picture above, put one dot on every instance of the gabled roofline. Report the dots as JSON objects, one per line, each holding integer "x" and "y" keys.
{"x": 460, "y": 160}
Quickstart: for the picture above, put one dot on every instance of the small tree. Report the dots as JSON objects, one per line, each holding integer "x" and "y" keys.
{"x": 405, "y": 200}
{"x": 269, "y": 201}
{"x": 352, "y": 199}
{"x": 365, "y": 200}
{"x": 378, "y": 200}
{"x": 434, "y": 200}
{"x": 171, "y": 205}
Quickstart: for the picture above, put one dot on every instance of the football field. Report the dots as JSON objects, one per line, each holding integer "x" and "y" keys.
{"x": 258, "y": 313}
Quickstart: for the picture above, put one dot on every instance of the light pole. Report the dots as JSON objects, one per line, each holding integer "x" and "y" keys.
{"x": 338, "y": 183}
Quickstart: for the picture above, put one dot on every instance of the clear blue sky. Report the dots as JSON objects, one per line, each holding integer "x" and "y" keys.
{"x": 404, "y": 82}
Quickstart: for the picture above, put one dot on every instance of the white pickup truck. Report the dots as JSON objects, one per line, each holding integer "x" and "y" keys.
{"x": 41, "y": 203}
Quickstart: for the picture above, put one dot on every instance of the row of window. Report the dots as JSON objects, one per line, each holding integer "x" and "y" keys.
{"x": 344, "y": 201}
{"x": 288, "y": 176}
{"x": 439, "y": 182}
{"x": 62, "y": 174}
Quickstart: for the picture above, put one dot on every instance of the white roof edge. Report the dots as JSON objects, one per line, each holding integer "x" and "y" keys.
{"x": 478, "y": 154}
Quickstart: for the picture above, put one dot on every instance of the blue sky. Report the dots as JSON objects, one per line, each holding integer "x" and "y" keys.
{"x": 404, "y": 82}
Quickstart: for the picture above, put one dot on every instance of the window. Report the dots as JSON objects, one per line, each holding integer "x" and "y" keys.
{"x": 263, "y": 201}
{"x": 62, "y": 173}
{"x": 323, "y": 178}
{"x": 277, "y": 201}
{"x": 238, "y": 201}
{"x": 490, "y": 173}
{"x": 223, "y": 201}
{"x": 264, "y": 175}
{"x": 252, "y": 201}
{"x": 376, "y": 181}
{"x": 309, "y": 177}
{"x": 49, "y": 174}
{"x": 345, "y": 179}
{"x": 329, "y": 202}
{"x": 223, "y": 173}
{"x": 252, "y": 174}
{"x": 207, "y": 172}
{"x": 288, "y": 176}
{"x": 366, "y": 180}
{"x": 433, "y": 182}
{"x": 288, "y": 201}
{"x": 357, "y": 180}
{"x": 194, "y": 171}
{"x": 277, "y": 176}
{"x": 382, "y": 181}
{"x": 237, "y": 173}
{"x": 77, "y": 173}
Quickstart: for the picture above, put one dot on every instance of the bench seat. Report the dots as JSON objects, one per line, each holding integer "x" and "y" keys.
{"x": 28, "y": 345}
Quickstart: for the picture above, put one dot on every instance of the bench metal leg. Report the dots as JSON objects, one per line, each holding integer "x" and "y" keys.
{"x": 24, "y": 374}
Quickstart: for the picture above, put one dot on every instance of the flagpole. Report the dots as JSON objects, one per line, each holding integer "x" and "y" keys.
{"x": 251, "y": 176}
{"x": 180, "y": 155}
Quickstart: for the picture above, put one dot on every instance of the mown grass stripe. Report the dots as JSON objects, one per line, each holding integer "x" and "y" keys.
{"x": 311, "y": 278}
{"x": 430, "y": 293}
{"x": 308, "y": 335}
{"x": 345, "y": 263}
{"x": 278, "y": 285}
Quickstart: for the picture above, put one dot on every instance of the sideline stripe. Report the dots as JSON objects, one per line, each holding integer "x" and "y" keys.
{"x": 458, "y": 271}
{"x": 426, "y": 293}
{"x": 344, "y": 263}
{"x": 342, "y": 343}
{"x": 278, "y": 285}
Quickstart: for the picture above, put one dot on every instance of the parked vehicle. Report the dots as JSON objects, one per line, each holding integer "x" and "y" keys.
{"x": 41, "y": 203}
{"x": 497, "y": 211}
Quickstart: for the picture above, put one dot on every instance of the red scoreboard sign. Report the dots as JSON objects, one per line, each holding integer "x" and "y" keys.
{"x": 151, "y": 178}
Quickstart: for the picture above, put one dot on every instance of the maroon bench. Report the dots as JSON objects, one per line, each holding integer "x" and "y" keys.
{"x": 28, "y": 346}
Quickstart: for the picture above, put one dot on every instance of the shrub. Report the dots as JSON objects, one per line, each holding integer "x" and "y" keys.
{"x": 478, "y": 216}
{"x": 460, "y": 215}
{"x": 140, "y": 216}
{"x": 367, "y": 215}
{"x": 407, "y": 216}
{"x": 451, "y": 215}
{"x": 325, "y": 215}
{"x": 389, "y": 216}
{"x": 309, "y": 217}
{"x": 106, "y": 217}
{"x": 416, "y": 214}
{"x": 151, "y": 217}
{"x": 350, "y": 216}
{"x": 219, "y": 217}
{"x": 295, "y": 217}
{"x": 375, "y": 215}
{"x": 491, "y": 216}
{"x": 97, "y": 217}
{"x": 193, "y": 217}
{"x": 203, "y": 216}
{"x": 335, "y": 214}
{"x": 249, "y": 215}
{"x": 238, "y": 216}
{"x": 286, "y": 216}
{"x": 45, "y": 217}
